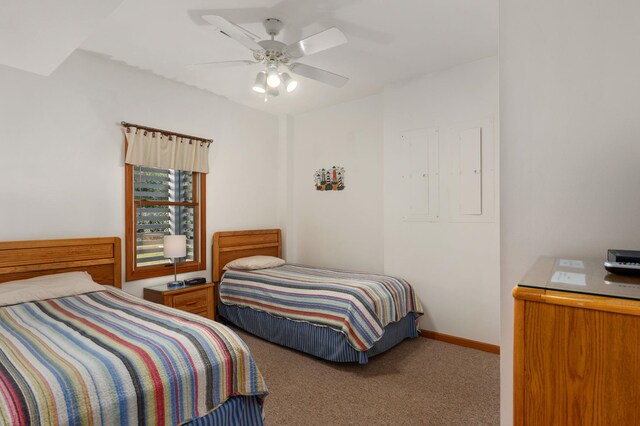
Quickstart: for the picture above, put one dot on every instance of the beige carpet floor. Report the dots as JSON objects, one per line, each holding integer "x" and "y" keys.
{"x": 419, "y": 382}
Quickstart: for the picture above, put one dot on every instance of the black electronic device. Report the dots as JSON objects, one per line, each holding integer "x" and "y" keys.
{"x": 195, "y": 281}
{"x": 623, "y": 262}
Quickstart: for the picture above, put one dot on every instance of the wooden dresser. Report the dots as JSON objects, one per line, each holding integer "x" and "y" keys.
{"x": 576, "y": 346}
{"x": 197, "y": 299}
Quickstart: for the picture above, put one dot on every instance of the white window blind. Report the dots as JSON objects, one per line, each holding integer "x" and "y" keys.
{"x": 173, "y": 191}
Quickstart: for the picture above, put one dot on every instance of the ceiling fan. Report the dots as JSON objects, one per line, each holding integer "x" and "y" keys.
{"x": 275, "y": 55}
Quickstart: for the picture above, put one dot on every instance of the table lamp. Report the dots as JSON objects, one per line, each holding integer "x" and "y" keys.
{"x": 175, "y": 247}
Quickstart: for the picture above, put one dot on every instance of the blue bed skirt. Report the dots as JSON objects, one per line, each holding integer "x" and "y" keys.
{"x": 236, "y": 411}
{"x": 322, "y": 342}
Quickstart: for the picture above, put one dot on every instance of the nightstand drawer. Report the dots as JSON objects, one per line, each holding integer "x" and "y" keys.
{"x": 202, "y": 313}
{"x": 196, "y": 299}
{"x": 192, "y": 301}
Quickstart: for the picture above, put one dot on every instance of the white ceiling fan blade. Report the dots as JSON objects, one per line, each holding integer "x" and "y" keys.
{"x": 234, "y": 31}
{"x": 247, "y": 32}
{"x": 316, "y": 43}
{"x": 224, "y": 64}
{"x": 318, "y": 74}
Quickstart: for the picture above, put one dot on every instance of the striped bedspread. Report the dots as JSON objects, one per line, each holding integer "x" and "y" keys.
{"x": 357, "y": 304}
{"x": 110, "y": 358}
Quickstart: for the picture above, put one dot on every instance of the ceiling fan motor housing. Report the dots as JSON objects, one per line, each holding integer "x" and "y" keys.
{"x": 272, "y": 52}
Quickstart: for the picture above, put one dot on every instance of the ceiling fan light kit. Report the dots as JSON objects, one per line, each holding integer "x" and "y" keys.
{"x": 274, "y": 55}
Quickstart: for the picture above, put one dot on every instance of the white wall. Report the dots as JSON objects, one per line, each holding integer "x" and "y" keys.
{"x": 361, "y": 227}
{"x": 453, "y": 265}
{"x": 285, "y": 185}
{"x": 341, "y": 229}
{"x": 570, "y": 108}
{"x": 61, "y": 151}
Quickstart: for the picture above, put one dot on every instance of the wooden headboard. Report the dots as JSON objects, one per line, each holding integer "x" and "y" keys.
{"x": 100, "y": 257}
{"x": 231, "y": 245}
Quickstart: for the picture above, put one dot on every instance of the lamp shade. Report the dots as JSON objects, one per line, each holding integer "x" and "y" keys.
{"x": 175, "y": 246}
{"x": 273, "y": 78}
{"x": 260, "y": 84}
{"x": 289, "y": 83}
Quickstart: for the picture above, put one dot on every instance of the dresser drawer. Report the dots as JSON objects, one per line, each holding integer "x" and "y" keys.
{"x": 192, "y": 301}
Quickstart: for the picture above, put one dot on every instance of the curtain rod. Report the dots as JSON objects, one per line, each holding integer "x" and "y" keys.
{"x": 165, "y": 132}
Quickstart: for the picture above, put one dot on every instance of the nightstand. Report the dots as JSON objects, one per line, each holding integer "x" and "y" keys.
{"x": 197, "y": 299}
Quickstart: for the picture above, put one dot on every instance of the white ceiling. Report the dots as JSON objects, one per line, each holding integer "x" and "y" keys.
{"x": 37, "y": 36}
{"x": 388, "y": 41}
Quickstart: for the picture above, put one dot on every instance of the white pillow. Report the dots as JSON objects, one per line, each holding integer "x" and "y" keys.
{"x": 254, "y": 262}
{"x": 47, "y": 287}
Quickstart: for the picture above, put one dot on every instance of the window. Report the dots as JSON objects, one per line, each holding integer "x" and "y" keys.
{"x": 162, "y": 202}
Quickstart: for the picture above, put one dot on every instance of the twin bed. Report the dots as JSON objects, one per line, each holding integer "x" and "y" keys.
{"x": 75, "y": 349}
{"x": 76, "y": 352}
{"x": 336, "y": 315}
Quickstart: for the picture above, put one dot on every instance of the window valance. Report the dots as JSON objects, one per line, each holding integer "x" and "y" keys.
{"x": 163, "y": 150}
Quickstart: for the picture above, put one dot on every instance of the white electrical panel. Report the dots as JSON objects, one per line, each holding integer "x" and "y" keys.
{"x": 421, "y": 175}
{"x": 471, "y": 158}
{"x": 471, "y": 171}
